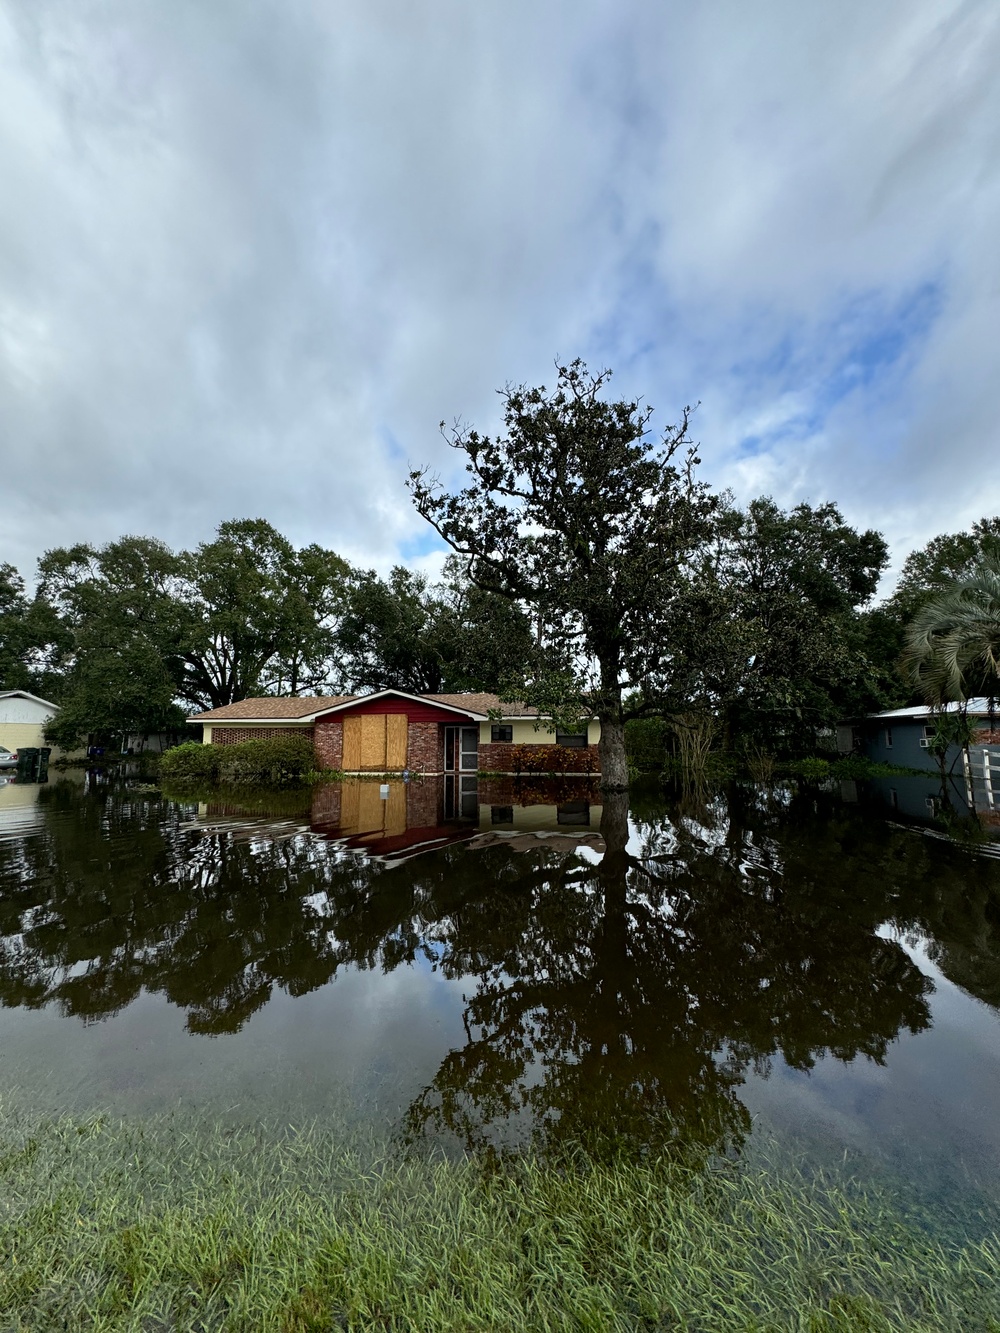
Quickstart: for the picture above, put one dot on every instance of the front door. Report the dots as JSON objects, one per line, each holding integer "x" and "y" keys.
{"x": 461, "y": 749}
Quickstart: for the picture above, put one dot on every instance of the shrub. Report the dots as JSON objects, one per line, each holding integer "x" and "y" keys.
{"x": 810, "y": 768}
{"x": 275, "y": 760}
{"x": 191, "y": 762}
{"x": 272, "y": 761}
{"x": 552, "y": 759}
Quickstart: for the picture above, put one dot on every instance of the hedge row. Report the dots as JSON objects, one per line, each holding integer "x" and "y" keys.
{"x": 277, "y": 760}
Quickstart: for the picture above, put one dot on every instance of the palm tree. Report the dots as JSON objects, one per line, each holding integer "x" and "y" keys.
{"x": 953, "y": 642}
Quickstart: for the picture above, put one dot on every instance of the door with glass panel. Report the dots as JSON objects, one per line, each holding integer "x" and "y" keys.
{"x": 461, "y": 749}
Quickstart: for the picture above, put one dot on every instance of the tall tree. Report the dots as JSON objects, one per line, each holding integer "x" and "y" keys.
{"x": 32, "y": 638}
{"x": 407, "y": 634}
{"x": 947, "y": 559}
{"x": 263, "y": 614}
{"x": 953, "y": 642}
{"x": 386, "y": 634}
{"x": 122, "y": 608}
{"x": 148, "y": 628}
{"x": 576, "y": 514}
{"x": 775, "y": 643}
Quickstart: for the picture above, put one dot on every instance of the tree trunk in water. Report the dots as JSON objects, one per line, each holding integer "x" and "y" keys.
{"x": 614, "y": 831}
{"x": 611, "y": 751}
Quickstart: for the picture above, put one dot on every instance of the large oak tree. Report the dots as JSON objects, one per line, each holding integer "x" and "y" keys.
{"x": 576, "y": 513}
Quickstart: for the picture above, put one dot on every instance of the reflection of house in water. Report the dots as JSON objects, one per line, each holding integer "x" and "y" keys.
{"x": 532, "y": 805}
{"x": 20, "y": 812}
{"x": 925, "y": 802}
{"x": 395, "y": 820}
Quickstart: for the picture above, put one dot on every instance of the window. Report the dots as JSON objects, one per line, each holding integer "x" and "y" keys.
{"x": 888, "y": 738}
{"x": 501, "y": 734}
{"x": 573, "y": 812}
{"x": 929, "y": 733}
{"x": 501, "y": 814}
{"x": 574, "y": 740}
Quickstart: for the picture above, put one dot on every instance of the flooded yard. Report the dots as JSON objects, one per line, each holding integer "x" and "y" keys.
{"x": 509, "y": 963}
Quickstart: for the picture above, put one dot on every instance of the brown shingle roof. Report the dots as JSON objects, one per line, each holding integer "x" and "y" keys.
{"x": 483, "y": 703}
{"x": 272, "y": 708}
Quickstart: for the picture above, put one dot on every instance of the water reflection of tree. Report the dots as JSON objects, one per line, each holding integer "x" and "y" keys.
{"x": 627, "y": 997}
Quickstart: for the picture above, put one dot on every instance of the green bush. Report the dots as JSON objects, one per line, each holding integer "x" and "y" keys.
{"x": 275, "y": 760}
{"x": 810, "y": 768}
{"x": 271, "y": 761}
{"x": 191, "y": 761}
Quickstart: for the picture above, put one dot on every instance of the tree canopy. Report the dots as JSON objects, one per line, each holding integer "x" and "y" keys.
{"x": 574, "y": 512}
{"x": 772, "y": 639}
{"x": 953, "y": 641}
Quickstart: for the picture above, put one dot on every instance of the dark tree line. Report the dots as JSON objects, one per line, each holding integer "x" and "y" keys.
{"x": 593, "y": 573}
{"x": 128, "y": 637}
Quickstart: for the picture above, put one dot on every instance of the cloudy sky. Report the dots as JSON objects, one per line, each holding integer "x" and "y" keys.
{"x": 252, "y": 254}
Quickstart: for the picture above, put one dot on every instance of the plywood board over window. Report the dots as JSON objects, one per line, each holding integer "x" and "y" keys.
{"x": 375, "y": 742}
{"x": 352, "y": 744}
{"x": 395, "y": 740}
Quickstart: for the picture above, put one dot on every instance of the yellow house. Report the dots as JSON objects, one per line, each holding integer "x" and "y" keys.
{"x": 22, "y": 720}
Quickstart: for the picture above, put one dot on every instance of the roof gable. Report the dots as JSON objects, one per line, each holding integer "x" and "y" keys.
{"x": 26, "y": 694}
{"x": 424, "y": 700}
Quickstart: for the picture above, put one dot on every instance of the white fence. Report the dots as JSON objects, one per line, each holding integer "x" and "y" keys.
{"x": 982, "y": 776}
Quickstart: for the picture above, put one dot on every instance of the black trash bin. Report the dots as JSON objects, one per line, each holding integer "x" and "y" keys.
{"x": 27, "y": 763}
{"x": 43, "y": 763}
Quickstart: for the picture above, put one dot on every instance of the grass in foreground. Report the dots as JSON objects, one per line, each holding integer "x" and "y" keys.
{"x": 177, "y": 1224}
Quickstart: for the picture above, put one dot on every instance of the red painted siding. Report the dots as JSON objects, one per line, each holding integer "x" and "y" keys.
{"x": 415, "y": 711}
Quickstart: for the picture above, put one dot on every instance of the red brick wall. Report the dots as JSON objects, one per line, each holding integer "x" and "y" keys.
{"x": 326, "y": 806}
{"x": 328, "y": 737}
{"x": 425, "y": 747}
{"x": 503, "y": 758}
{"x": 424, "y": 804}
{"x": 234, "y": 735}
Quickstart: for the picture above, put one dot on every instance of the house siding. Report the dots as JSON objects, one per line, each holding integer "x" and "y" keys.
{"x": 414, "y": 710}
{"x": 526, "y": 733}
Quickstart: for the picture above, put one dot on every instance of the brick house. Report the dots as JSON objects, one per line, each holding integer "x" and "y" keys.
{"x": 391, "y": 731}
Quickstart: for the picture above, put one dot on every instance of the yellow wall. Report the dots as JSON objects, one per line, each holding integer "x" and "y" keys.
{"x": 21, "y": 735}
{"x": 538, "y": 818}
{"x": 525, "y": 733}
{"x": 17, "y": 735}
{"x": 206, "y": 735}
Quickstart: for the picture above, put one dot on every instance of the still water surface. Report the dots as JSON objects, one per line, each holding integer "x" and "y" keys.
{"x": 490, "y": 965}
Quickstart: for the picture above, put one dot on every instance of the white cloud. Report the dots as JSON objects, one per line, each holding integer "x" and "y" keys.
{"x": 250, "y": 255}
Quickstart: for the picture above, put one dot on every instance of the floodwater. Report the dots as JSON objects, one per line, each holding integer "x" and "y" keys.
{"x": 498, "y": 964}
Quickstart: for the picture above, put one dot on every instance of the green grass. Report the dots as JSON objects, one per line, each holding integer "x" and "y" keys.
{"x": 185, "y": 1224}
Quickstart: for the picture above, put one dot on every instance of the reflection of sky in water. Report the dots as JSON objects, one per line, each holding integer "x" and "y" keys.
{"x": 936, "y": 1096}
{"x": 367, "y": 1041}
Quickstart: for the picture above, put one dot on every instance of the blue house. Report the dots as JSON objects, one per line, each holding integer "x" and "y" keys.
{"x": 902, "y": 736}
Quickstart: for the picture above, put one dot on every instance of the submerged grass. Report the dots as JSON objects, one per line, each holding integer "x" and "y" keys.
{"x": 180, "y": 1223}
